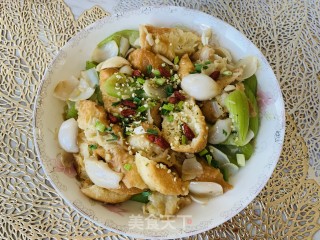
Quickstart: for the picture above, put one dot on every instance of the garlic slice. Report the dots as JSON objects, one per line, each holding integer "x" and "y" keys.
{"x": 101, "y": 174}
{"x": 67, "y": 136}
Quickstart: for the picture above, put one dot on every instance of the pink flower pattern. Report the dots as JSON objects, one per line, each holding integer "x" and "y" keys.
{"x": 60, "y": 166}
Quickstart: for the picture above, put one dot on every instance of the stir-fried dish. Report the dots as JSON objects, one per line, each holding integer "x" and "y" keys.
{"x": 161, "y": 116}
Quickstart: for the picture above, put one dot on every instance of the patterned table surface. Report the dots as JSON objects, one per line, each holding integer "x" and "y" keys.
{"x": 287, "y": 32}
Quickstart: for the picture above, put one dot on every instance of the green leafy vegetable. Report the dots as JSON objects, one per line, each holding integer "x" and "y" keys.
{"x": 141, "y": 197}
{"x": 252, "y": 83}
{"x": 254, "y": 110}
{"x": 131, "y": 35}
{"x": 70, "y": 110}
{"x": 238, "y": 107}
{"x": 90, "y": 64}
{"x": 93, "y": 146}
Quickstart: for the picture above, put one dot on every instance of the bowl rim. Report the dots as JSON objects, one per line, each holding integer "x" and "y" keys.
{"x": 121, "y": 15}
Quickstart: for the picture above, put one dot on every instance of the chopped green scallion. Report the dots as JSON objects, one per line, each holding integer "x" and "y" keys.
{"x": 184, "y": 140}
{"x": 149, "y": 69}
{"x": 93, "y": 146}
{"x": 100, "y": 126}
{"x": 170, "y": 118}
{"x": 156, "y": 72}
{"x": 113, "y": 138}
{"x": 152, "y": 131}
{"x": 209, "y": 159}
{"x": 203, "y": 152}
{"x": 168, "y": 107}
{"x": 140, "y": 80}
{"x": 142, "y": 109}
{"x": 176, "y": 60}
{"x": 160, "y": 81}
{"x": 227, "y": 73}
{"x": 127, "y": 166}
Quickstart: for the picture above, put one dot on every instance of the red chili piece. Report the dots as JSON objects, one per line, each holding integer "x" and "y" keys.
{"x": 113, "y": 119}
{"x": 128, "y": 112}
{"x": 215, "y": 75}
{"x": 164, "y": 72}
{"x": 129, "y": 104}
{"x": 179, "y": 96}
{"x": 188, "y": 132}
{"x": 151, "y": 137}
{"x": 161, "y": 142}
{"x": 136, "y": 73}
{"x": 173, "y": 100}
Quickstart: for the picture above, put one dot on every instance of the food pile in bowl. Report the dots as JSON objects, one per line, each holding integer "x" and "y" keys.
{"x": 161, "y": 116}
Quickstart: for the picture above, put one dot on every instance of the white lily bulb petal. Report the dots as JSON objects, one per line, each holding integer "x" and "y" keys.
{"x": 68, "y": 134}
{"x": 200, "y": 86}
{"x": 114, "y": 62}
{"x": 220, "y": 157}
{"x": 100, "y": 173}
{"x": 250, "y": 66}
{"x": 126, "y": 70}
{"x": 220, "y": 131}
{"x": 139, "y": 130}
{"x": 109, "y": 50}
{"x": 124, "y": 46}
{"x": 191, "y": 169}
{"x": 200, "y": 199}
{"x": 64, "y": 88}
{"x": 205, "y": 189}
{"x": 81, "y": 94}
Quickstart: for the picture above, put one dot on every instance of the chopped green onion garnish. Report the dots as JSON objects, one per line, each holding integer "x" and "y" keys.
{"x": 140, "y": 80}
{"x": 198, "y": 67}
{"x": 100, "y": 126}
{"x": 149, "y": 69}
{"x": 241, "y": 160}
{"x": 160, "y": 81}
{"x": 205, "y": 67}
{"x": 137, "y": 100}
{"x": 93, "y": 146}
{"x": 170, "y": 118}
{"x": 142, "y": 109}
{"x": 176, "y": 60}
{"x": 183, "y": 140}
{"x": 224, "y": 132}
{"x": 179, "y": 106}
{"x": 227, "y": 73}
{"x": 108, "y": 129}
{"x": 156, "y": 72}
{"x": 203, "y": 152}
{"x": 168, "y": 107}
{"x": 152, "y": 131}
{"x": 114, "y": 137}
{"x": 141, "y": 197}
{"x": 207, "y": 62}
{"x": 209, "y": 159}
{"x": 127, "y": 166}
{"x": 169, "y": 90}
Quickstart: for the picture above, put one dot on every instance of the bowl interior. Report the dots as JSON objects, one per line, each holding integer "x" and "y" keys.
{"x": 127, "y": 218}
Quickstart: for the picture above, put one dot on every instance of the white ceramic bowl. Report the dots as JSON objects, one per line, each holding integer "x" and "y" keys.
{"x": 127, "y": 218}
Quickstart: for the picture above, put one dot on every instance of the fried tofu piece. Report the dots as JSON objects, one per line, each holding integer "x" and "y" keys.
{"x": 159, "y": 178}
{"x": 88, "y": 112}
{"x": 132, "y": 179}
{"x": 204, "y": 54}
{"x": 141, "y": 58}
{"x": 193, "y": 117}
{"x": 211, "y": 174}
{"x": 169, "y": 42}
{"x": 185, "y": 66}
{"x": 102, "y": 194}
{"x": 163, "y": 206}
